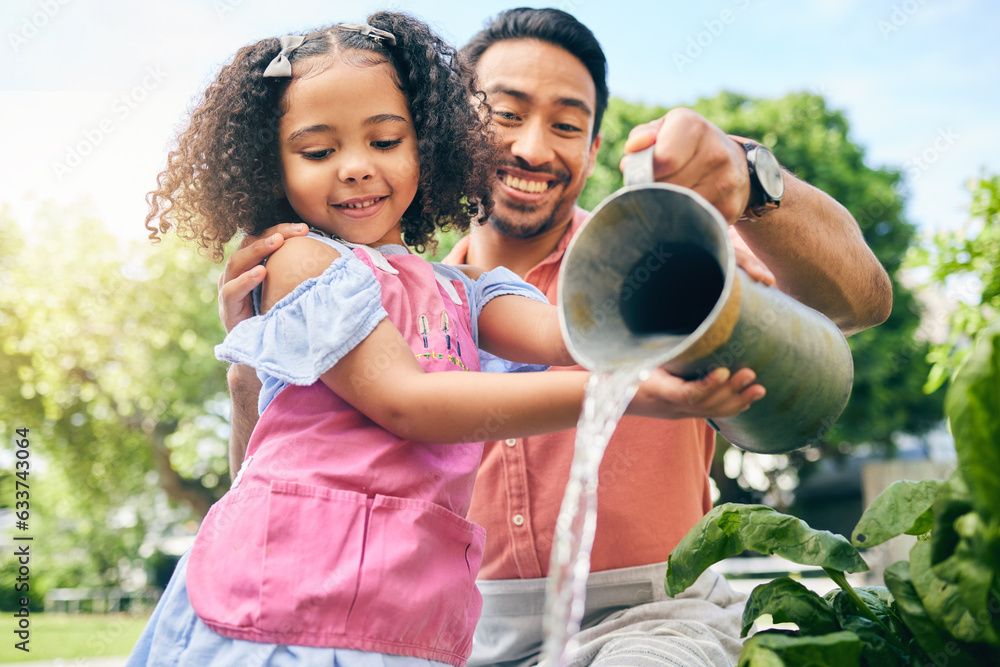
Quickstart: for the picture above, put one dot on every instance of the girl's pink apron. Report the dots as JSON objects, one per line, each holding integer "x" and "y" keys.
{"x": 340, "y": 534}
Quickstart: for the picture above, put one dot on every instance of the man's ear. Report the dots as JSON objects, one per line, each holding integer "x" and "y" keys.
{"x": 594, "y": 147}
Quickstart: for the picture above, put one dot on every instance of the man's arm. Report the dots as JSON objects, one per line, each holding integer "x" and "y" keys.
{"x": 244, "y": 388}
{"x": 811, "y": 244}
{"x": 818, "y": 255}
{"x": 243, "y": 272}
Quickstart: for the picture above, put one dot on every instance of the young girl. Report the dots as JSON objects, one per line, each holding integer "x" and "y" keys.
{"x": 343, "y": 538}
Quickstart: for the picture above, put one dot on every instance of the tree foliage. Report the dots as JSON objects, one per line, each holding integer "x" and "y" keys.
{"x": 108, "y": 349}
{"x": 108, "y": 359}
{"x": 813, "y": 141}
{"x": 968, "y": 260}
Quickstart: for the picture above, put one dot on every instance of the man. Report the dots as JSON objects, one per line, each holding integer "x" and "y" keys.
{"x": 545, "y": 78}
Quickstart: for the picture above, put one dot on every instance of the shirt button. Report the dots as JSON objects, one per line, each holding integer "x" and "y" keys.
{"x": 518, "y": 520}
{"x": 511, "y": 442}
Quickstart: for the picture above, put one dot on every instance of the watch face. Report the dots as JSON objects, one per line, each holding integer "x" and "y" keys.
{"x": 769, "y": 173}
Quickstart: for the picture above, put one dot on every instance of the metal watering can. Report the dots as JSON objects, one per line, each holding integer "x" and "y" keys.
{"x": 651, "y": 278}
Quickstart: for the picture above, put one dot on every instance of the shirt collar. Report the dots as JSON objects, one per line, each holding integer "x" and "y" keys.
{"x": 460, "y": 253}
{"x": 554, "y": 257}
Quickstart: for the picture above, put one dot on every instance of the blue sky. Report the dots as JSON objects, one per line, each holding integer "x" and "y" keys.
{"x": 95, "y": 90}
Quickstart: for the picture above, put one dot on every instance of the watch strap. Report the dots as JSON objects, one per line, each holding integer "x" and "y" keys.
{"x": 759, "y": 203}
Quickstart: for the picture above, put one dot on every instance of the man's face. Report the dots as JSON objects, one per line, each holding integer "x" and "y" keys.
{"x": 542, "y": 100}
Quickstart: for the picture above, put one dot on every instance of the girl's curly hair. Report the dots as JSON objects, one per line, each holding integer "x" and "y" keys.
{"x": 224, "y": 175}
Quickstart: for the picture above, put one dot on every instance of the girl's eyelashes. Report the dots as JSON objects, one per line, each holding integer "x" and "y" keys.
{"x": 386, "y": 144}
{"x": 382, "y": 145}
{"x": 317, "y": 155}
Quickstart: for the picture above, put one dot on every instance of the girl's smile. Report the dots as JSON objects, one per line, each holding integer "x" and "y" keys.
{"x": 362, "y": 203}
{"x": 360, "y": 209}
{"x": 348, "y": 147}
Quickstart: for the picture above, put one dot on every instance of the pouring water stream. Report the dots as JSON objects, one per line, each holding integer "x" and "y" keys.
{"x": 607, "y": 396}
{"x": 651, "y": 280}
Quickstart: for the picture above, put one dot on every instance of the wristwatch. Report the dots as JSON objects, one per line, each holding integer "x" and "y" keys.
{"x": 767, "y": 184}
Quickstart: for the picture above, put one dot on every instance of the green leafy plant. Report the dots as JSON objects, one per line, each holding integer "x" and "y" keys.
{"x": 940, "y": 607}
{"x": 963, "y": 263}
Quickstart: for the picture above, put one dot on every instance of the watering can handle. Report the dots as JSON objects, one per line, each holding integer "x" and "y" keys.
{"x": 639, "y": 167}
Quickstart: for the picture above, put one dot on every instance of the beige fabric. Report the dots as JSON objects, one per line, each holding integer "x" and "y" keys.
{"x": 629, "y": 621}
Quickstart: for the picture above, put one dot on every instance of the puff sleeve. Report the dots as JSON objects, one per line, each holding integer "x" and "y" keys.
{"x": 488, "y": 286}
{"x": 311, "y": 328}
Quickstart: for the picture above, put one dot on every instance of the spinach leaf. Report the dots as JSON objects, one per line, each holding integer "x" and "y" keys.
{"x": 772, "y": 649}
{"x": 953, "y": 501}
{"x": 935, "y": 644}
{"x": 788, "y": 601}
{"x": 859, "y": 606}
{"x": 944, "y": 600}
{"x": 886, "y": 639}
{"x": 878, "y": 647}
{"x": 878, "y": 600}
{"x": 972, "y": 407}
{"x": 972, "y": 569}
{"x": 931, "y": 639}
{"x": 759, "y": 656}
{"x": 883, "y": 596}
{"x": 730, "y": 529}
{"x": 904, "y": 507}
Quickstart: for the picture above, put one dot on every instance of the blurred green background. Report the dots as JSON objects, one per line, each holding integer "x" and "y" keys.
{"x": 108, "y": 361}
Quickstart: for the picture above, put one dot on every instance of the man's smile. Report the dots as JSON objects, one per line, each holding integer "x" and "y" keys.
{"x": 523, "y": 181}
{"x": 531, "y": 186}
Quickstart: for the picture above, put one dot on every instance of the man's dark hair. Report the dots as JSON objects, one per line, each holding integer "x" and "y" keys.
{"x": 548, "y": 25}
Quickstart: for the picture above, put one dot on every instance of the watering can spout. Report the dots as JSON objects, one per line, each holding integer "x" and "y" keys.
{"x": 651, "y": 279}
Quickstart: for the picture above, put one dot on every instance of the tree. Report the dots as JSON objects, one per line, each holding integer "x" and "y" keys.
{"x": 813, "y": 142}
{"x": 968, "y": 258}
{"x": 108, "y": 359}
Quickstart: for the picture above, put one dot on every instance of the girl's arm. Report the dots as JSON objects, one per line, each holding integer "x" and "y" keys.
{"x": 465, "y": 407}
{"x": 521, "y": 329}
{"x": 382, "y": 378}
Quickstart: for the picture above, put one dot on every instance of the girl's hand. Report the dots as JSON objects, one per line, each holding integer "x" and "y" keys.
{"x": 718, "y": 394}
{"x": 243, "y": 271}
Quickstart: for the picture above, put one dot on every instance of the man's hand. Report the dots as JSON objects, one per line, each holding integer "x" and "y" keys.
{"x": 693, "y": 153}
{"x": 243, "y": 271}
{"x": 718, "y": 394}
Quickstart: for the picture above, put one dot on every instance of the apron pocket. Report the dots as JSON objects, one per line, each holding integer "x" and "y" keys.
{"x": 417, "y": 582}
{"x": 312, "y": 555}
{"x": 223, "y": 570}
